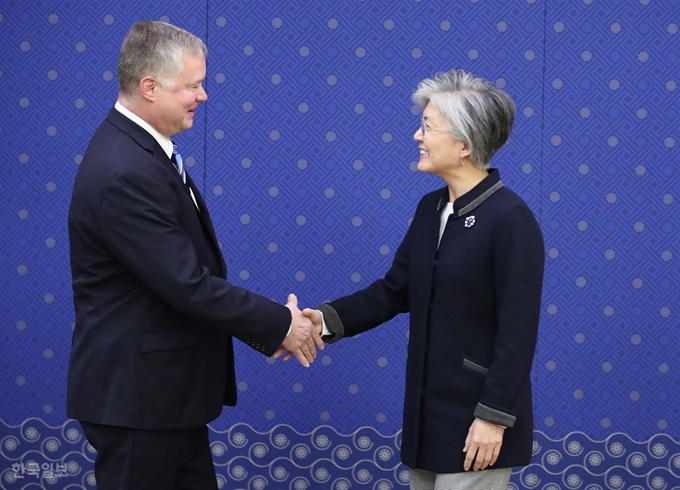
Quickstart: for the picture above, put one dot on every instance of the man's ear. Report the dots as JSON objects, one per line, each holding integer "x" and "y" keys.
{"x": 148, "y": 87}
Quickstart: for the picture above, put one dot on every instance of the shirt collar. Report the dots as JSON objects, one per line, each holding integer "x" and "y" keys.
{"x": 478, "y": 194}
{"x": 164, "y": 141}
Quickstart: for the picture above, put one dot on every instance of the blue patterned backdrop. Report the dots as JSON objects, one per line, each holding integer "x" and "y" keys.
{"x": 305, "y": 155}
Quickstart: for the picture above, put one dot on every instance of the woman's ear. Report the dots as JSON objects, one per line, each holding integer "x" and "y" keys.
{"x": 465, "y": 150}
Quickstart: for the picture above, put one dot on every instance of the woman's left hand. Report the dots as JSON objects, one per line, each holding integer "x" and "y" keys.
{"x": 482, "y": 445}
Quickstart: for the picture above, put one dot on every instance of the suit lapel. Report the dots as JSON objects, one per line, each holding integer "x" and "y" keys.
{"x": 204, "y": 216}
{"x": 149, "y": 143}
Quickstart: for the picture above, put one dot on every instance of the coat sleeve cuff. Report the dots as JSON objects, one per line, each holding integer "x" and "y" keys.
{"x": 333, "y": 323}
{"x": 494, "y": 416}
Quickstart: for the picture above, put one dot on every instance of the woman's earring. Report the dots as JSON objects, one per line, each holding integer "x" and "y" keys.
{"x": 461, "y": 162}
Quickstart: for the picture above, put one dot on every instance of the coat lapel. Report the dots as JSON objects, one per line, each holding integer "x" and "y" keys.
{"x": 427, "y": 239}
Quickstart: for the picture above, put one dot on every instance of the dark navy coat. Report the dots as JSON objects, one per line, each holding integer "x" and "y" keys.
{"x": 474, "y": 308}
{"x": 155, "y": 316}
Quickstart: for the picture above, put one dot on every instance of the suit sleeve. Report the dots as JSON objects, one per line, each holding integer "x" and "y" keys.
{"x": 139, "y": 216}
{"x": 518, "y": 278}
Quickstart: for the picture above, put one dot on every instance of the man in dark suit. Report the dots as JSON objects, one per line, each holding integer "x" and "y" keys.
{"x": 152, "y": 360}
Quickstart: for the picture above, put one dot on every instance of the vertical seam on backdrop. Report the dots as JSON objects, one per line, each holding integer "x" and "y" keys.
{"x": 543, "y": 77}
{"x": 205, "y": 107}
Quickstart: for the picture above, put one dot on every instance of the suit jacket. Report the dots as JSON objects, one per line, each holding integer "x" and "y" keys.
{"x": 474, "y": 306}
{"x": 155, "y": 316}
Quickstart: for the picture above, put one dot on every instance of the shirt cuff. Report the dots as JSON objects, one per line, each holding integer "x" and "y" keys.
{"x": 324, "y": 328}
{"x": 332, "y": 326}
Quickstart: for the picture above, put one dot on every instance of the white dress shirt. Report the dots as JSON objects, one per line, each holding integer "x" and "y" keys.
{"x": 164, "y": 141}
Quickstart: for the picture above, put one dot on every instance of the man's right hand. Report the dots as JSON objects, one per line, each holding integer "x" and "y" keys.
{"x": 316, "y": 317}
{"x": 300, "y": 341}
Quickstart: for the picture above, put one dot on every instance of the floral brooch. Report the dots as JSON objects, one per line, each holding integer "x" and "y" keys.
{"x": 469, "y": 222}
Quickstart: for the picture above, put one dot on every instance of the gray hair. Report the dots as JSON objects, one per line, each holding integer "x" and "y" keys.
{"x": 477, "y": 111}
{"x": 156, "y": 49}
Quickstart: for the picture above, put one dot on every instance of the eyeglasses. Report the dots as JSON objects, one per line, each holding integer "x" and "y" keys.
{"x": 425, "y": 129}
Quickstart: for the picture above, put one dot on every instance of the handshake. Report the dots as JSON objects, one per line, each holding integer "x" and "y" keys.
{"x": 304, "y": 335}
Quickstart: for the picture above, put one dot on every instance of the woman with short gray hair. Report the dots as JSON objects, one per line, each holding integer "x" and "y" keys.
{"x": 476, "y": 111}
{"x": 469, "y": 272}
